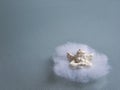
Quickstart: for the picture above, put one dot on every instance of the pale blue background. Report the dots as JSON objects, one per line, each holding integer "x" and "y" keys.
{"x": 31, "y": 29}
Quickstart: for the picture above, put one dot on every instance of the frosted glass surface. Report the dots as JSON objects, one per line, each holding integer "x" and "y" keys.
{"x": 31, "y": 29}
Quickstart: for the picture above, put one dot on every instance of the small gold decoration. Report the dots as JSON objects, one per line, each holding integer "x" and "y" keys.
{"x": 80, "y": 59}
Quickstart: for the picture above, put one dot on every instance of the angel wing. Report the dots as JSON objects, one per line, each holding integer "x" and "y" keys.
{"x": 70, "y": 57}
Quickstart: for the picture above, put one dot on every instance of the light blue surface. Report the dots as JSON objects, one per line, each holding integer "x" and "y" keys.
{"x": 31, "y": 29}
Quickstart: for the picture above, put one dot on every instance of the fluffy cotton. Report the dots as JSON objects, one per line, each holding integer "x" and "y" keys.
{"x": 61, "y": 64}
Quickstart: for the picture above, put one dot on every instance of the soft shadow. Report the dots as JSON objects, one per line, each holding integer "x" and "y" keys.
{"x": 51, "y": 78}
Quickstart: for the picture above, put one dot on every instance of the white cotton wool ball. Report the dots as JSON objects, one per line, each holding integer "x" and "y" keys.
{"x": 61, "y": 66}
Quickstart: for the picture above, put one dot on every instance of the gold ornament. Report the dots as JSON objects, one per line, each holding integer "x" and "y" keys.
{"x": 80, "y": 60}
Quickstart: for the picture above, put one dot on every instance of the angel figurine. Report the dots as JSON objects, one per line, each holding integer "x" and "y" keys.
{"x": 80, "y": 59}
